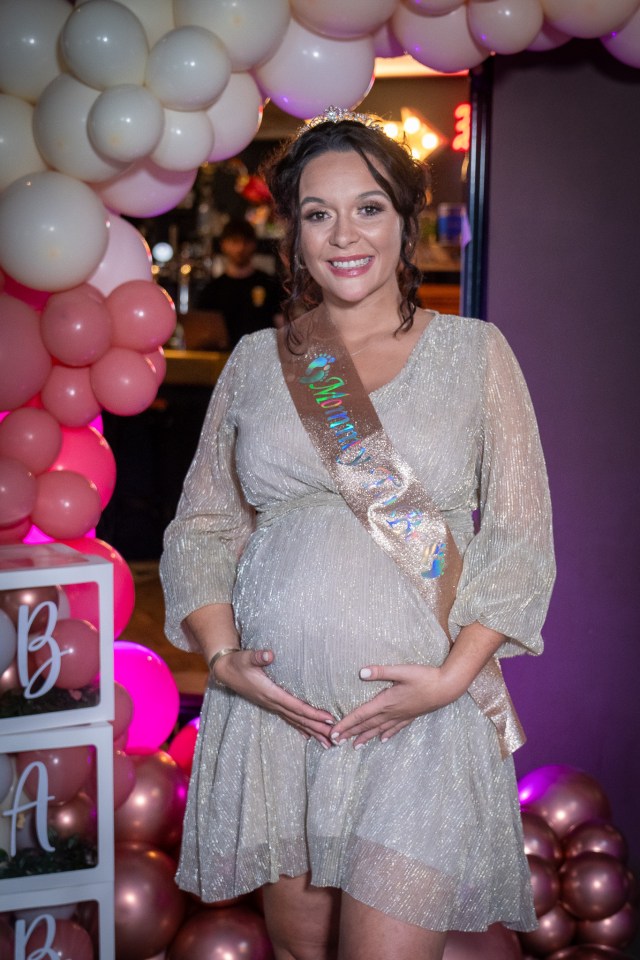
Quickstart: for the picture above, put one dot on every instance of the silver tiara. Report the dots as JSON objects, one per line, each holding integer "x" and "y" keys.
{"x": 336, "y": 115}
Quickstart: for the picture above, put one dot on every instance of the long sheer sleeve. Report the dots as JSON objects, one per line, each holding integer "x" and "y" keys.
{"x": 213, "y": 520}
{"x": 509, "y": 569}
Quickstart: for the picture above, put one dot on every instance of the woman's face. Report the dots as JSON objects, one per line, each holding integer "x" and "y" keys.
{"x": 350, "y": 233}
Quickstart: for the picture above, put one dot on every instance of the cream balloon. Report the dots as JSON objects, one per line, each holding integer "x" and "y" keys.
{"x": 53, "y": 231}
{"x": 104, "y": 44}
{"x": 60, "y": 130}
{"x": 308, "y": 72}
{"x": 126, "y": 123}
{"x": 145, "y": 189}
{"x": 549, "y": 38}
{"x": 186, "y": 142}
{"x": 156, "y": 17}
{"x": 29, "y": 58}
{"x": 624, "y": 44}
{"x": 18, "y": 151}
{"x": 442, "y": 43}
{"x": 341, "y": 19}
{"x": 235, "y": 116}
{"x": 505, "y": 26}
{"x": 127, "y": 257}
{"x": 432, "y": 8}
{"x": 250, "y": 29}
{"x": 594, "y": 19}
{"x": 188, "y": 68}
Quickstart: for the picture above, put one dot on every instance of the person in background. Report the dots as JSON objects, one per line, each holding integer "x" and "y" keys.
{"x": 247, "y": 299}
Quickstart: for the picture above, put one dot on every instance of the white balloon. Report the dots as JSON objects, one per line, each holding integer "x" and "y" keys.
{"x": 624, "y": 44}
{"x": 343, "y": 19}
{"x": 308, "y": 72}
{"x": 126, "y": 123}
{"x": 442, "y": 43}
{"x": 127, "y": 257}
{"x": 549, "y": 38}
{"x": 156, "y": 16}
{"x": 60, "y": 130}
{"x": 104, "y": 44}
{"x": 432, "y": 8}
{"x": 235, "y": 117}
{"x": 593, "y": 19}
{"x": 145, "y": 189}
{"x": 53, "y": 231}
{"x": 186, "y": 142}
{"x": 505, "y": 26}
{"x": 251, "y": 30}
{"x": 18, "y": 151}
{"x": 29, "y": 31}
{"x": 188, "y": 68}
{"x": 8, "y": 647}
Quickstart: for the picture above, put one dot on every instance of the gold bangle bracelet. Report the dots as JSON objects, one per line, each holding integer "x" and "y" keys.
{"x": 218, "y": 655}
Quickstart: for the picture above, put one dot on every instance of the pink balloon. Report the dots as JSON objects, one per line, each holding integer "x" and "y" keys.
{"x": 32, "y": 436}
{"x": 85, "y": 451}
{"x": 124, "y": 777}
{"x": 67, "y": 504}
{"x": 75, "y": 326}
{"x": 124, "y": 382}
{"x": 143, "y": 316}
{"x": 127, "y": 258}
{"x": 145, "y": 189}
{"x": 15, "y": 532}
{"x": 67, "y": 769}
{"x": 24, "y": 360}
{"x": 153, "y": 689}
{"x": 67, "y": 394}
{"x": 70, "y": 942}
{"x": 154, "y": 811}
{"x": 158, "y": 361}
{"x": 594, "y": 885}
{"x": 123, "y": 710}
{"x": 18, "y": 489}
{"x": 232, "y": 932}
{"x": 83, "y": 598}
{"x": 34, "y": 298}
{"x": 79, "y": 644}
{"x": 563, "y": 796}
{"x": 76, "y": 818}
{"x": 6, "y": 939}
{"x": 183, "y": 745}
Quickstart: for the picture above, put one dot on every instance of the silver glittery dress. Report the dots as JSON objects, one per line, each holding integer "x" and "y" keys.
{"x": 426, "y": 826}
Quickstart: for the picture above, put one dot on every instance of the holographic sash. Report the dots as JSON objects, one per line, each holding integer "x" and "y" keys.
{"x": 382, "y": 490}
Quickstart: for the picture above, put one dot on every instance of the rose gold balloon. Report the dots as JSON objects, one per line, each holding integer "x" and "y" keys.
{"x": 563, "y": 796}
{"x": 12, "y": 600}
{"x": 77, "y": 818}
{"x": 6, "y": 938}
{"x": 497, "y": 942}
{"x": 597, "y": 836}
{"x": 67, "y": 768}
{"x": 9, "y": 679}
{"x": 70, "y": 942}
{"x": 588, "y": 951}
{"x": 149, "y": 907}
{"x": 124, "y": 777}
{"x": 545, "y": 884}
{"x": 539, "y": 838}
{"x": 233, "y": 933}
{"x": 618, "y": 930}
{"x": 154, "y": 810}
{"x": 594, "y": 885}
{"x": 555, "y": 931}
{"x": 123, "y": 710}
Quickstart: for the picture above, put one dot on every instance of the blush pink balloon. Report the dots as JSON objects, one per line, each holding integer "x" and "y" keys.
{"x": 158, "y": 361}
{"x": 124, "y": 777}
{"x": 154, "y": 810}
{"x": 153, "y": 689}
{"x": 231, "y": 932}
{"x": 563, "y": 796}
{"x": 145, "y": 189}
{"x": 83, "y": 598}
{"x": 539, "y": 838}
{"x": 67, "y": 768}
{"x": 545, "y": 884}
{"x": 68, "y": 396}
{"x": 32, "y": 436}
{"x": 18, "y": 490}
{"x": 127, "y": 258}
{"x": 556, "y": 930}
{"x": 67, "y": 504}
{"x": 24, "y": 360}
{"x": 76, "y": 326}
{"x": 183, "y": 745}
{"x": 594, "y": 885}
{"x": 76, "y": 818}
{"x": 124, "y": 382}
{"x": 85, "y": 451}
{"x": 149, "y": 907}
{"x": 70, "y": 942}
{"x": 123, "y": 710}
{"x": 143, "y": 316}
{"x": 15, "y": 532}
{"x": 598, "y": 836}
{"x": 79, "y": 644}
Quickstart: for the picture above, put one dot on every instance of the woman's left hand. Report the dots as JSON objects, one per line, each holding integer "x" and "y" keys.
{"x": 416, "y": 689}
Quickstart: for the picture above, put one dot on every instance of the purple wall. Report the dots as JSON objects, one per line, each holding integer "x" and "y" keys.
{"x": 564, "y": 286}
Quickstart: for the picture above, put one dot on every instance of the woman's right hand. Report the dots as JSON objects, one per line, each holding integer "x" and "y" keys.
{"x": 243, "y": 672}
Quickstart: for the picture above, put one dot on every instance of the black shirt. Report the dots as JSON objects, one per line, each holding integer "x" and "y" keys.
{"x": 247, "y": 304}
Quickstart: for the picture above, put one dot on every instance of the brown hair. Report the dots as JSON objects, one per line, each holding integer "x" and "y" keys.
{"x": 403, "y": 180}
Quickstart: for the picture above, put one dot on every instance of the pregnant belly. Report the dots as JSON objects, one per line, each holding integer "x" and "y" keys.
{"x": 315, "y": 588}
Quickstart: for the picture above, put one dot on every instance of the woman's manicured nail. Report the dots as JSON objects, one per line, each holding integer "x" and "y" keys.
{"x": 358, "y": 746}
{"x": 265, "y": 656}
{"x": 335, "y": 736}
{"x": 365, "y": 673}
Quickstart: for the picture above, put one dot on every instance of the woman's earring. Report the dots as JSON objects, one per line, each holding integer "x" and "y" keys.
{"x": 298, "y": 262}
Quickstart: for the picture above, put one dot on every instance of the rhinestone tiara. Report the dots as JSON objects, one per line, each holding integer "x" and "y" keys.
{"x": 336, "y": 115}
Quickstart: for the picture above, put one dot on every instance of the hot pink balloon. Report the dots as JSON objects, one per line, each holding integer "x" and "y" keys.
{"x": 85, "y": 451}
{"x": 153, "y": 689}
{"x": 183, "y": 745}
{"x": 24, "y": 360}
{"x": 76, "y": 326}
{"x": 143, "y": 316}
{"x": 594, "y": 885}
{"x": 67, "y": 768}
{"x": 563, "y": 796}
{"x": 83, "y": 597}
{"x": 127, "y": 258}
{"x": 124, "y": 382}
{"x": 32, "y": 436}
{"x": 70, "y": 942}
{"x": 232, "y": 932}
{"x": 154, "y": 811}
{"x": 68, "y": 396}
{"x": 124, "y": 777}
{"x": 18, "y": 490}
{"x": 67, "y": 504}
{"x": 79, "y": 644}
